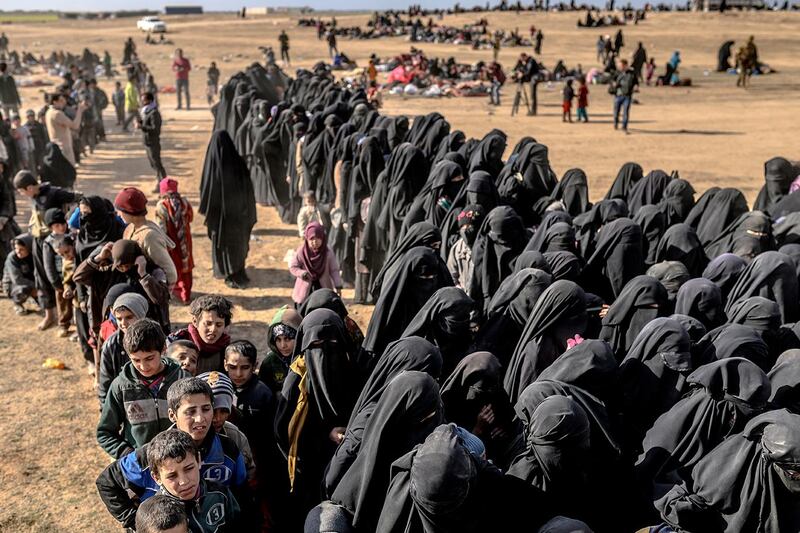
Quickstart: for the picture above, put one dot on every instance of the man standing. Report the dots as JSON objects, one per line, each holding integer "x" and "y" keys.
{"x": 539, "y": 39}
{"x": 99, "y": 99}
{"x": 60, "y": 126}
{"x": 150, "y": 124}
{"x": 39, "y": 137}
{"x": 284, "y": 40}
{"x": 9, "y": 97}
{"x": 624, "y": 85}
{"x": 639, "y": 59}
{"x": 212, "y": 82}
{"x": 181, "y": 66}
{"x": 131, "y": 103}
{"x": 332, "y": 50}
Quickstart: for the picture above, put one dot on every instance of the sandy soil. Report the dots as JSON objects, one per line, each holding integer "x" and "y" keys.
{"x": 713, "y": 133}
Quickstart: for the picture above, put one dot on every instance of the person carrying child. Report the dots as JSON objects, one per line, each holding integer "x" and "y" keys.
{"x": 583, "y": 100}
{"x": 18, "y": 279}
{"x": 314, "y": 265}
{"x": 174, "y": 215}
{"x": 135, "y": 409}
{"x": 211, "y": 317}
{"x": 568, "y": 93}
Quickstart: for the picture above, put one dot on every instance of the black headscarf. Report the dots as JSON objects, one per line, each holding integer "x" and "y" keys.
{"x": 747, "y": 236}
{"x": 724, "y": 271}
{"x": 648, "y": 190}
{"x": 785, "y": 380}
{"x": 531, "y": 259}
{"x": 228, "y": 203}
{"x": 564, "y": 265}
{"x": 573, "y": 191}
{"x": 715, "y": 210}
{"x": 653, "y": 223}
{"x": 773, "y": 276}
{"x": 701, "y": 299}
{"x": 56, "y": 168}
{"x": 758, "y": 312}
{"x": 407, "y": 411}
{"x": 629, "y": 174}
{"x": 445, "y": 321}
{"x": 778, "y": 176}
{"x": 723, "y": 396}
{"x": 677, "y": 202}
{"x": 500, "y": 240}
{"x": 558, "y": 315}
{"x": 653, "y": 376}
{"x": 672, "y": 275}
{"x": 733, "y": 340}
{"x": 488, "y": 156}
{"x": 419, "y": 274}
{"x": 693, "y": 327}
{"x": 742, "y": 485}
{"x": 643, "y": 299}
{"x": 406, "y": 171}
{"x": 538, "y": 242}
{"x": 680, "y": 243}
{"x": 618, "y": 257}
{"x": 588, "y": 224}
{"x": 419, "y": 234}
{"x": 98, "y": 227}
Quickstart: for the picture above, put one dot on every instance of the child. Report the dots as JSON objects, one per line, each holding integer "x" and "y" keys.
{"x": 459, "y": 259}
{"x": 280, "y": 337}
{"x": 185, "y": 353}
{"x": 190, "y": 408}
{"x": 161, "y": 514}
{"x": 43, "y": 197}
{"x": 174, "y": 215}
{"x": 175, "y": 465}
{"x": 56, "y": 222}
{"x": 128, "y": 309}
{"x": 254, "y": 400}
{"x": 131, "y": 203}
{"x": 118, "y": 99}
{"x": 136, "y": 401}
{"x": 568, "y": 94}
{"x": 308, "y": 213}
{"x": 18, "y": 279}
{"x": 583, "y": 100}
{"x": 211, "y": 317}
{"x": 650, "y": 70}
{"x": 314, "y": 265}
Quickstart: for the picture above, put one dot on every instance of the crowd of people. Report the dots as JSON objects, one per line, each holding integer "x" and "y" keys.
{"x": 531, "y": 358}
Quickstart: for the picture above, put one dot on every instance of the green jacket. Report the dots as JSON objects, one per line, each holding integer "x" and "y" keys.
{"x": 131, "y": 416}
{"x": 131, "y": 97}
{"x": 274, "y": 367}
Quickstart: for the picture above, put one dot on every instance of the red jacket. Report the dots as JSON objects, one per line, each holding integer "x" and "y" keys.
{"x": 181, "y": 66}
{"x": 583, "y": 96}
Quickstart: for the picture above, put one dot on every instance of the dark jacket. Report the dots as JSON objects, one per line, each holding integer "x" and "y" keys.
{"x": 625, "y": 83}
{"x": 52, "y": 196}
{"x": 127, "y": 481}
{"x": 17, "y": 273}
{"x": 215, "y": 510}
{"x": 256, "y": 411}
{"x": 151, "y": 126}
{"x": 112, "y": 358}
{"x": 8, "y": 91}
{"x": 130, "y": 404}
{"x": 52, "y": 262}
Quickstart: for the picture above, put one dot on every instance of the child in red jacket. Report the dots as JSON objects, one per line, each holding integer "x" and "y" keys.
{"x": 174, "y": 214}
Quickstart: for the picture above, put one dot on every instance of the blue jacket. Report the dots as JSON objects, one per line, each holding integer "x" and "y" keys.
{"x": 220, "y": 462}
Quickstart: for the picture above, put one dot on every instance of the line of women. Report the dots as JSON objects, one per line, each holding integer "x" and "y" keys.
{"x": 534, "y": 362}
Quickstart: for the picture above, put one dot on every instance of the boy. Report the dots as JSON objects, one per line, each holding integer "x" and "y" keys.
{"x": 211, "y": 317}
{"x": 161, "y": 514}
{"x": 118, "y": 99}
{"x": 128, "y": 309}
{"x": 43, "y": 197}
{"x": 212, "y": 83}
{"x": 56, "y": 222}
{"x": 38, "y": 136}
{"x": 568, "y": 94}
{"x": 137, "y": 398}
{"x": 191, "y": 409}
{"x": 175, "y": 465}
{"x": 583, "y": 100}
{"x": 150, "y": 124}
{"x": 185, "y": 353}
{"x": 18, "y": 280}
{"x": 174, "y": 215}
{"x": 131, "y": 99}
{"x": 131, "y": 203}
{"x": 254, "y": 400}
{"x": 65, "y": 248}
{"x": 280, "y": 337}
{"x": 308, "y": 213}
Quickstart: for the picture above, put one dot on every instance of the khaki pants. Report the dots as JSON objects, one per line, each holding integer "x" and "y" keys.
{"x": 64, "y": 309}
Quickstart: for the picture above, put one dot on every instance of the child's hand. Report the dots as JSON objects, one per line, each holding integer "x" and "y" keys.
{"x": 68, "y": 294}
{"x": 141, "y": 265}
{"x": 337, "y": 434}
{"x": 105, "y": 253}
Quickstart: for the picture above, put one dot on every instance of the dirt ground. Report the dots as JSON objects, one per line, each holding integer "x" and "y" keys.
{"x": 713, "y": 133}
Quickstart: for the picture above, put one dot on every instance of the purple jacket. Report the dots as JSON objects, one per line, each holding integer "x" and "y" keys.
{"x": 330, "y": 278}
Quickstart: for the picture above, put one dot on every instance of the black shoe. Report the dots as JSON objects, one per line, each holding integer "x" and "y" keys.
{"x": 233, "y": 283}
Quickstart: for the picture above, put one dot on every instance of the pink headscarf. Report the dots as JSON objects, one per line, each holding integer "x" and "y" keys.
{"x": 311, "y": 261}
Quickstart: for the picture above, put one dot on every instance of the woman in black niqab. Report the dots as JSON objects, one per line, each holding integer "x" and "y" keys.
{"x": 773, "y": 276}
{"x": 419, "y": 234}
{"x": 747, "y": 236}
{"x": 500, "y": 240}
{"x": 314, "y": 405}
{"x": 98, "y": 225}
{"x": 778, "y": 176}
{"x": 680, "y": 243}
{"x": 564, "y": 265}
{"x": 724, "y": 271}
{"x": 406, "y": 173}
{"x": 538, "y": 241}
{"x": 701, "y": 299}
{"x": 229, "y": 206}
{"x": 642, "y": 300}
{"x": 653, "y": 223}
{"x": 677, "y": 202}
{"x": 531, "y": 259}
{"x": 508, "y": 312}
{"x": 617, "y": 259}
{"x": 437, "y": 195}
{"x": 588, "y": 224}
{"x": 747, "y": 483}
{"x": 419, "y": 274}
{"x": 406, "y": 413}
{"x": 715, "y": 210}
{"x": 628, "y": 176}
{"x": 573, "y": 191}
{"x": 648, "y": 190}
{"x": 785, "y": 380}
{"x": 488, "y": 156}
{"x": 733, "y": 340}
{"x": 653, "y": 377}
{"x": 722, "y": 397}
{"x": 444, "y": 320}
{"x": 558, "y": 316}
{"x": 55, "y": 168}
